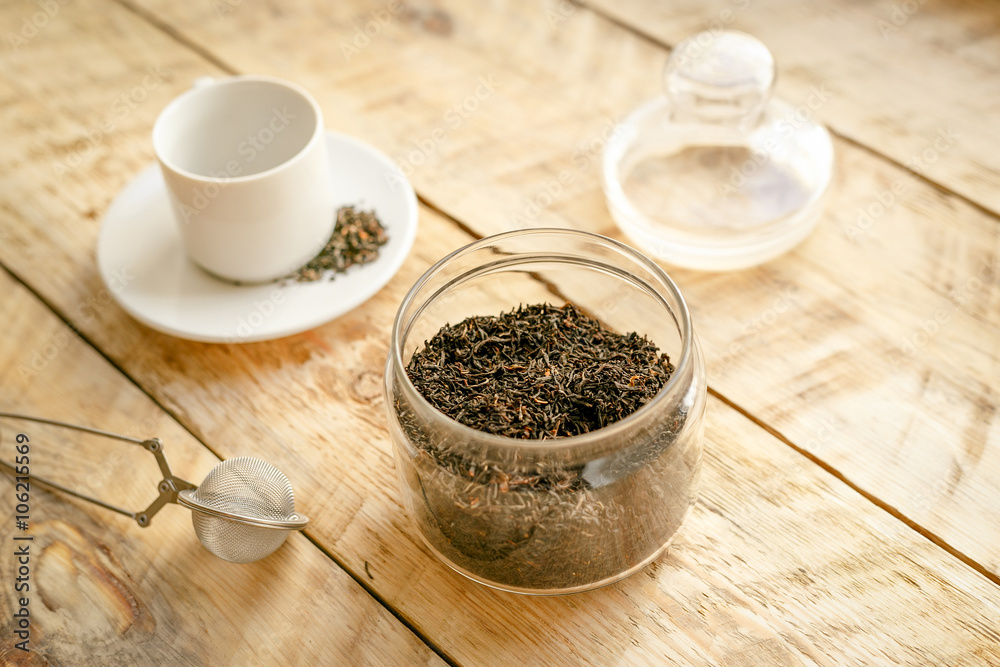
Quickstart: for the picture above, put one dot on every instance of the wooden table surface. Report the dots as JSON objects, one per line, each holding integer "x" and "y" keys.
{"x": 850, "y": 505}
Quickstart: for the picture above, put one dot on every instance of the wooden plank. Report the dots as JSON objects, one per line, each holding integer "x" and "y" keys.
{"x": 913, "y": 80}
{"x": 780, "y": 561}
{"x": 773, "y": 566}
{"x": 826, "y": 345}
{"x": 102, "y": 590}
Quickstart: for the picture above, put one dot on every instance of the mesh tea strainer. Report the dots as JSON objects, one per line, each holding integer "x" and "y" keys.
{"x": 242, "y": 512}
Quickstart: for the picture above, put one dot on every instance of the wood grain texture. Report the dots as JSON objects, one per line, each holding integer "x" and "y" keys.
{"x": 780, "y": 562}
{"x": 105, "y": 591}
{"x": 896, "y": 74}
{"x": 874, "y": 346}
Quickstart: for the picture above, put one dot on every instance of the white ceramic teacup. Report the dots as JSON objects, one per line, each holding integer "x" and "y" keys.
{"x": 246, "y": 167}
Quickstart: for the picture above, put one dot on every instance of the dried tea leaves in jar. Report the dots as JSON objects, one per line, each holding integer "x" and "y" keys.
{"x": 545, "y": 517}
{"x": 537, "y": 372}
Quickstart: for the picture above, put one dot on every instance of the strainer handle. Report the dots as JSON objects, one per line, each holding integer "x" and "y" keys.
{"x": 169, "y": 487}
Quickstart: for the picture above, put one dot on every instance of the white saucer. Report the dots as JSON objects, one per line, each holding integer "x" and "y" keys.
{"x": 145, "y": 268}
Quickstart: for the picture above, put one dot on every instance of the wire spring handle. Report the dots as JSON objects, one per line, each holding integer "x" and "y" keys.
{"x": 242, "y": 512}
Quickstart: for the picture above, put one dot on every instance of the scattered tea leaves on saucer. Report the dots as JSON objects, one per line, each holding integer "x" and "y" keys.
{"x": 356, "y": 239}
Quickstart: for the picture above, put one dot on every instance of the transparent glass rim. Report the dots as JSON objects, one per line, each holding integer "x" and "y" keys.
{"x": 238, "y": 80}
{"x": 779, "y": 234}
{"x": 682, "y": 317}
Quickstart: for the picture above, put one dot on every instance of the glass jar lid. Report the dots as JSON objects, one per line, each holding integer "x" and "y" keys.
{"x": 715, "y": 174}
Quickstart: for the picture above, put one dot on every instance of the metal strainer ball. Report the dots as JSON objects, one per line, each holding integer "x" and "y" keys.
{"x": 243, "y": 510}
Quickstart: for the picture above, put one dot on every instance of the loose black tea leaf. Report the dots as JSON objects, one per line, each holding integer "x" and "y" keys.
{"x": 537, "y": 372}
{"x": 552, "y": 518}
{"x": 356, "y": 239}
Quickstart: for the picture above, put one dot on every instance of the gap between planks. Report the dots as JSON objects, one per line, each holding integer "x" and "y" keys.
{"x": 357, "y": 577}
{"x": 366, "y": 585}
{"x": 656, "y": 41}
{"x": 211, "y": 57}
{"x": 82, "y": 336}
{"x": 892, "y": 511}
{"x": 177, "y": 36}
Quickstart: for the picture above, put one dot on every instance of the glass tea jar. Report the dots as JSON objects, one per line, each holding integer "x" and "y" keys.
{"x": 716, "y": 173}
{"x": 565, "y": 514}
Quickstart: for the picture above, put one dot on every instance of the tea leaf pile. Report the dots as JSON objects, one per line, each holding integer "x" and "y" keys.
{"x": 356, "y": 239}
{"x": 537, "y": 372}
